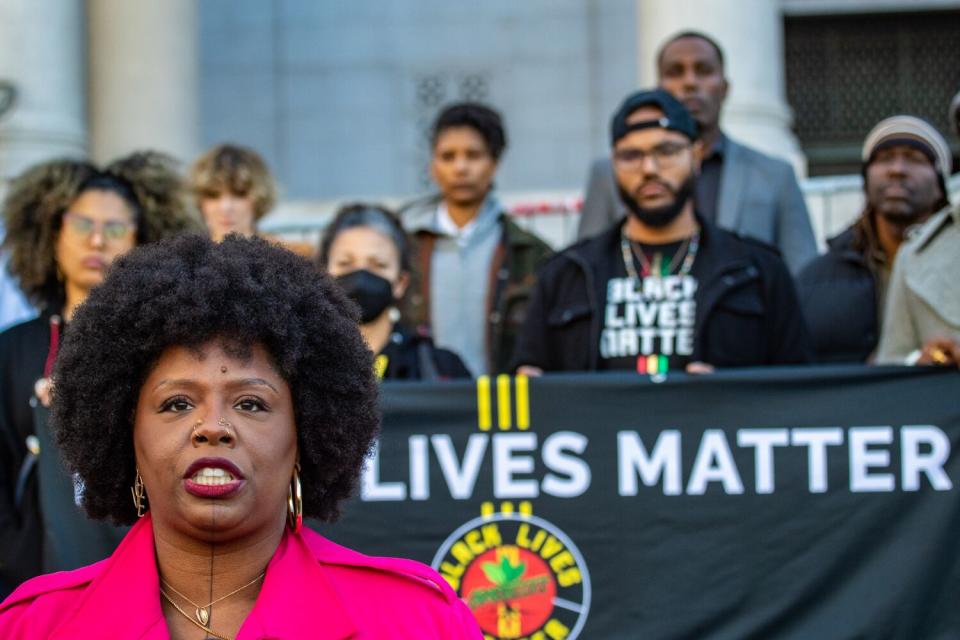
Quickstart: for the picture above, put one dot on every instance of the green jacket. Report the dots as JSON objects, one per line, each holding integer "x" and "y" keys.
{"x": 509, "y": 283}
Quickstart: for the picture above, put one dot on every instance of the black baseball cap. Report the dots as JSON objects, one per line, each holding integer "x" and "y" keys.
{"x": 675, "y": 116}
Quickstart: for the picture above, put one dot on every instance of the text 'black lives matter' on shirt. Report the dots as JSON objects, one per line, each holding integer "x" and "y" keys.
{"x": 648, "y": 321}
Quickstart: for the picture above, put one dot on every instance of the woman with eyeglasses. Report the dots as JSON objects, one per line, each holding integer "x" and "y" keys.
{"x": 66, "y": 222}
{"x": 367, "y": 251}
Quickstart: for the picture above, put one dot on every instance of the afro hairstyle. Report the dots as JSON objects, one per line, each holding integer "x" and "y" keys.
{"x": 33, "y": 210}
{"x": 188, "y": 291}
{"x": 33, "y": 214}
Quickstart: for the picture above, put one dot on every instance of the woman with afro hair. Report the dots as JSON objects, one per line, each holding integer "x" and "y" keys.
{"x": 212, "y": 395}
{"x": 66, "y": 221}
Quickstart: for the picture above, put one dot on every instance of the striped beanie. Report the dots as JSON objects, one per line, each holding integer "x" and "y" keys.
{"x": 912, "y": 131}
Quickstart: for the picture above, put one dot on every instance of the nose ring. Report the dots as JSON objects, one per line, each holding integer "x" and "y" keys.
{"x": 197, "y": 437}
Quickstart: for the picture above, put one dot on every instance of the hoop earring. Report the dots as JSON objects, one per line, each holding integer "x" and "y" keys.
{"x": 139, "y": 492}
{"x": 295, "y": 501}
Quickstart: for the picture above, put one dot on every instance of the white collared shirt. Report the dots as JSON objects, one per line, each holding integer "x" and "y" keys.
{"x": 446, "y": 226}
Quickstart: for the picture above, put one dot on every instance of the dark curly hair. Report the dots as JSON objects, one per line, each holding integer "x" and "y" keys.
{"x": 187, "y": 291}
{"x": 478, "y": 117}
{"x": 147, "y": 181}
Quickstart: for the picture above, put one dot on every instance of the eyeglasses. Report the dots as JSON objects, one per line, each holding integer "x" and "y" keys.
{"x": 665, "y": 156}
{"x": 110, "y": 229}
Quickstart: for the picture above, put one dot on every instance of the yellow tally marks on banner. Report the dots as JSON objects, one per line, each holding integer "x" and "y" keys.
{"x": 484, "y": 418}
{"x": 503, "y": 402}
{"x": 488, "y": 509}
{"x": 523, "y": 402}
{"x": 506, "y": 407}
{"x": 380, "y": 366}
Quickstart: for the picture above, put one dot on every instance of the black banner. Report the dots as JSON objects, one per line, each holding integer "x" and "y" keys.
{"x": 774, "y": 503}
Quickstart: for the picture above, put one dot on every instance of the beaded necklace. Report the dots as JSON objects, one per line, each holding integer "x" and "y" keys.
{"x": 688, "y": 250}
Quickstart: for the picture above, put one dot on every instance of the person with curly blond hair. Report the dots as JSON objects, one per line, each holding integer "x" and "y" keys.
{"x": 66, "y": 222}
{"x": 233, "y": 190}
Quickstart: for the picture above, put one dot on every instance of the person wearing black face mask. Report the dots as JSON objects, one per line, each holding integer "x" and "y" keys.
{"x": 372, "y": 293}
{"x": 663, "y": 290}
{"x": 365, "y": 249}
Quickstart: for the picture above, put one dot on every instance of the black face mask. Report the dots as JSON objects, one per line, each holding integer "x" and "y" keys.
{"x": 659, "y": 216}
{"x": 371, "y": 292}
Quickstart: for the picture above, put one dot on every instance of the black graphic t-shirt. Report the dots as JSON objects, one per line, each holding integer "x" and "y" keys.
{"x": 648, "y": 321}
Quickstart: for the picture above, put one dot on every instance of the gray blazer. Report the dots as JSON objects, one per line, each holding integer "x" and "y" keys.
{"x": 759, "y": 198}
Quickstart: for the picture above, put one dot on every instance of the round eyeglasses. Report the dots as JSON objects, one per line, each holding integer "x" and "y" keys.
{"x": 109, "y": 229}
{"x": 665, "y": 156}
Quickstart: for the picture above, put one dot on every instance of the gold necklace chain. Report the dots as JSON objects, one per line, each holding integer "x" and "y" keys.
{"x": 203, "y": 613}
{"x": 186, "y": 615}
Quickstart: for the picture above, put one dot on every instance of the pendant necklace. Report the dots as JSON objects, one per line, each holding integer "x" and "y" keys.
{"x": 202, "y": 613}
{"x": 203, "y": 627}
{"x": 688, "y": 250}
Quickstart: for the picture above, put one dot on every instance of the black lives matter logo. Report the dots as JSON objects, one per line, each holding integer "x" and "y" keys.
{"x": 521, "y": 576}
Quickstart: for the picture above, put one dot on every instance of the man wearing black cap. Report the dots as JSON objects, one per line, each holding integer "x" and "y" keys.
{"x": 739, "y": 188}
{"x": 663, "y": 290}
{"x": 906, "y": 163}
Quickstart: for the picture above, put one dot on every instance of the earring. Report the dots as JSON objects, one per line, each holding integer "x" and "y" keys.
{"x": 295, "y": 501}
{"x": 139, "y": 492}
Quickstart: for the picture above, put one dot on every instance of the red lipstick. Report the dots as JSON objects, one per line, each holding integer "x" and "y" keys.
{"x": 212, "y": 478}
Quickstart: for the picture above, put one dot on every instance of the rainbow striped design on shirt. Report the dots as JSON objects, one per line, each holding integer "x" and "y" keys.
{"x": 652, "y": 365}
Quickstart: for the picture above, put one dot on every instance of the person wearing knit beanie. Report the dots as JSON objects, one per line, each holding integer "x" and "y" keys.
{"x": 923, "y": 306}
{"x": 909, "y": 131}
{"x": 906, "y": 165}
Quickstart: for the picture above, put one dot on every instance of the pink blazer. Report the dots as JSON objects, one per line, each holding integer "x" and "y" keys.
{"x": 313, "y": 589}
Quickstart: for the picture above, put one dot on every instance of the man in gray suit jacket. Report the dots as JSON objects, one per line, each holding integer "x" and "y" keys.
{"x": 739, "y": 188}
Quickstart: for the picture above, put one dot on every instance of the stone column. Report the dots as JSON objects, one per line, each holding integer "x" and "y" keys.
{"x": 144, "y": 77}
{"x": 41, "y": 56}
{"x": 751, "y": 35}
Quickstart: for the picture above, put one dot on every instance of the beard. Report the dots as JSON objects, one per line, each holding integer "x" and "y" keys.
{"x": 913, "y": 207}
{"x": 659, "y": 217}
{"x": 903, "y": 215}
